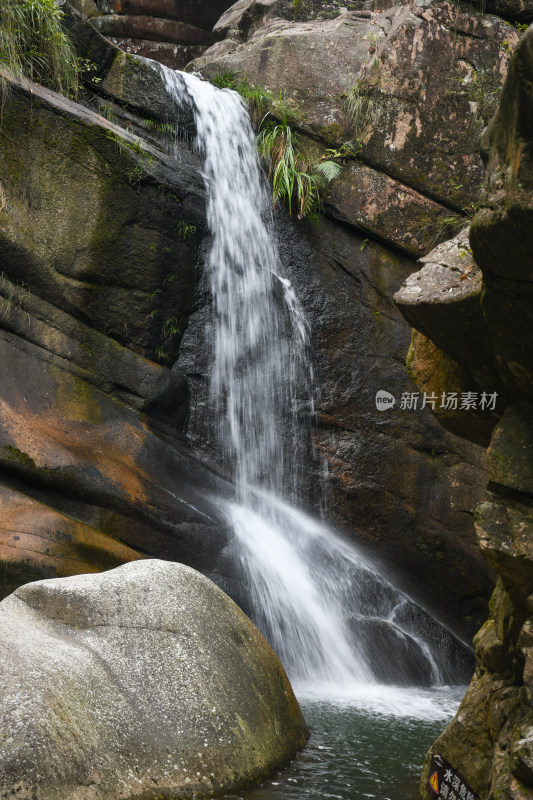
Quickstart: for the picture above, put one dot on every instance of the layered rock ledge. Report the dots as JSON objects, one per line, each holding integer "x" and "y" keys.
{"x": 490, "y": 741}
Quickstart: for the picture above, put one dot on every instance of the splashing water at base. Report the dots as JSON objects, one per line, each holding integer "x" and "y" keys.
{"x": 299, "y": 609}
{"x": 356, "y": 754}
{"x": 338, "y": 626}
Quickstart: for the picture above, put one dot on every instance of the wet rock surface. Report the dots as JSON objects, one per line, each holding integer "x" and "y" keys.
{"x": 489, "y": 741}
{"x": 99, "y": 241}
{"x": 411, "y": 519}
{"x": 412, "y": 180}
{"x": 377, "y": 637}
{"x": 145, "y": 680}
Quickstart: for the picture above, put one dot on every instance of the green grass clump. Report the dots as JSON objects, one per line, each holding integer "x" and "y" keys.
{"x": 259, "y": 100}
{"x": 358, "y": 107}
{"x": 293, "y": 181}
{"x": 34, "y": 44}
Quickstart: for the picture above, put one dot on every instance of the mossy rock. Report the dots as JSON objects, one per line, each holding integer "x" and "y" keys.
{"x": 93, "y": 223}
{"x": 146, "y": 679}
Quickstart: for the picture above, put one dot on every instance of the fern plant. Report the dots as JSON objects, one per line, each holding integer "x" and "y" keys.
{"x": 33, "y": 43}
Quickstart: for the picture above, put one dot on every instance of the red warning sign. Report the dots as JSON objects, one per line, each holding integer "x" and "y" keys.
{"x": 434, "y": 782}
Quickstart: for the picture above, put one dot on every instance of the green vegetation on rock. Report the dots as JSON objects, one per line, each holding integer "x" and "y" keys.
{"x": 34, "y": 44}
{"x": 292, "y": 181}
{"x": 259, "y": 100}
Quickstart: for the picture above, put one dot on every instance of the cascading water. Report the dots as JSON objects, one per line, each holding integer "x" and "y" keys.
{"x": 321, "y": 605}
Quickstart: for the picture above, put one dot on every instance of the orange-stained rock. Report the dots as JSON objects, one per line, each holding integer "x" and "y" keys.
{"x": 97, "y": 284}
{"x": 36, "y": 541}
{"x": 91, "y": 458}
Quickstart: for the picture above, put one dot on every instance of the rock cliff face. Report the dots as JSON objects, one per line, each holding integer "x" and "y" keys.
{"x": 101, "y": 231}
{"x": 490, "y": 740}
{"x": 423, "y": 82}
{"x": 99, "y": 236}
{"x": 170, "y": 31}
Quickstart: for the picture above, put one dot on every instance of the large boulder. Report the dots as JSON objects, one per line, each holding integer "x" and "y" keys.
{"x": 143, "y": 681}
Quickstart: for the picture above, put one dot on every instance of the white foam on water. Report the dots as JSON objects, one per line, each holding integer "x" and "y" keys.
{"x": 430, "y": 705}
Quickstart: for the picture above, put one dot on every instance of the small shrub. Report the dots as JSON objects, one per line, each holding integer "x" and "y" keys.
{"x": 33, "y": 43}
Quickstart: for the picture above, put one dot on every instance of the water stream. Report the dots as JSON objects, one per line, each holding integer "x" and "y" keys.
{"x": 345, "y": 635}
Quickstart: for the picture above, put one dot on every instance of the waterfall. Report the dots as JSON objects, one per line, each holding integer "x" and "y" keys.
{"x": 328, "y": 613}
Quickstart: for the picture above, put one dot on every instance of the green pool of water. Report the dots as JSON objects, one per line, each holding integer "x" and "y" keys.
{"x": 363, "y": 747}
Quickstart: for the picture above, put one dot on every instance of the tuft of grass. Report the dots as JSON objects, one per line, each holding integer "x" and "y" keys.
{"x": 34, "y": 44}
{"x": 225, "y": 80}
{"x": 292, "y": 182}
{"x": 259, "y": 100}
{"x": 161, "y": 354}
{"x": 106, "y": 110}
{"x": 358, "y": 108}
{"x": 347, "y": 150}
{"x": 170, "y": 328}
{"x": 186, "y": 229}
{"x": 299, "y": 8}
{"x": 164, "y": 128}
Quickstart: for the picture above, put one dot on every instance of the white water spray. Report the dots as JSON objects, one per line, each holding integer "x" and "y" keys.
{"x": 317, "y": 601}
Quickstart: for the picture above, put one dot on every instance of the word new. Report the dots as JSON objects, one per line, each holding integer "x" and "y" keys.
{"x": 449, "y": 401}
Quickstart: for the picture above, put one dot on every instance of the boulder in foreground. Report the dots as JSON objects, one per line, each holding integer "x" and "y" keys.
{"x": 143, "y": 681}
